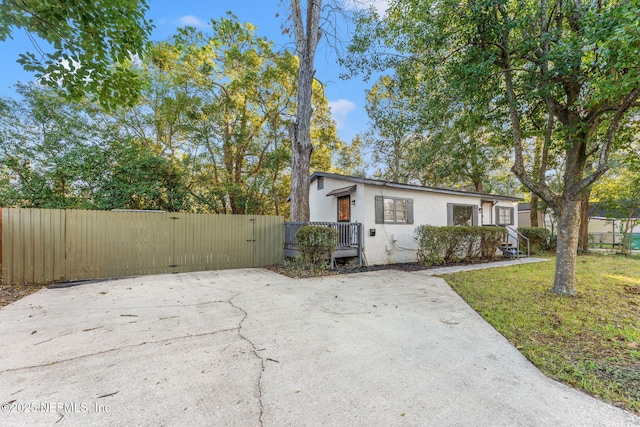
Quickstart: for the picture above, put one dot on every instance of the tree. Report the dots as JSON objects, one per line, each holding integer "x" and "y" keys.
{"x": 307, "y": 34}
{"x": 94, "y": 44}
{"x": 578, "y": 59}
{"x": 219, "y": 103}
{"x": 63, "y": 155}
{"x": 394, "y": 131}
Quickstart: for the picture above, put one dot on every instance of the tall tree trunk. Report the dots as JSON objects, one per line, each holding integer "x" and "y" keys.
{"x": 583, "y": 244}
{"x": 307, "y": 37}
{"x": 533, "y": 214}
{"x": 567, "y": 250}
{"x": 301, "y": 161}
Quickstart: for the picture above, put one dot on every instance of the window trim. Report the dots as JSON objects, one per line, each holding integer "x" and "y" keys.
{"x": 511, "y": 215}
{"x": 379, "y": 209}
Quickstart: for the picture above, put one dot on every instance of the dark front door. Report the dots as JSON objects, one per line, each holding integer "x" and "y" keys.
{"x": 344, "y": 215}
{"x": 344, "y": 209}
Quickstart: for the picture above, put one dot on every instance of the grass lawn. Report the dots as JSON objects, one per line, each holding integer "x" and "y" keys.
{"x": 591, "y": 342}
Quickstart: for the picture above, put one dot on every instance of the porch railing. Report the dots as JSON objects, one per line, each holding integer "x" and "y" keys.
{"x": 349, "y": 242}
{"x": 348, "y": 233}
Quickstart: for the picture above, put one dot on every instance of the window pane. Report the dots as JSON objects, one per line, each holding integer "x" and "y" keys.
{"x": 401, "y": 210}
{"x": 462, "y": 215}
{"x": 395, "y": 210}
{"x": 504, "y": 215}
{"x": 389, "y": 208}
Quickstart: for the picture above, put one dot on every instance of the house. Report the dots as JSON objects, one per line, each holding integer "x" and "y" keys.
{"x": 524, "y": 216}
{"x": 604, "y": 226}
{"x": 389, "y": 212}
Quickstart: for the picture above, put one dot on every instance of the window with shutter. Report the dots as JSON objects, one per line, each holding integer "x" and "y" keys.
{"x": 393, "y": 210}
{"x": 504, "y": 215}
{"x": 464, "y": 215}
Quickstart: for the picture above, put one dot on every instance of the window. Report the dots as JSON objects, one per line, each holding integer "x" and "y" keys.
{"x": 504, "y": 215}
{"x": 465, "y": 215}
{"x": 320, "y": 183}
{"x": 394, "y": 210}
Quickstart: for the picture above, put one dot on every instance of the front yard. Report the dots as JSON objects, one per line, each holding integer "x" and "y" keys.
{"x": 591, "y": 342}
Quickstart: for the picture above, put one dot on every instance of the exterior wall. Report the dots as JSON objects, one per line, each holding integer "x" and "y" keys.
{"x": 395, "y": 243}
{"x": 603, "y": 225}
{"x": 524, "y": 219}
{"x": 596, "y": 224}
{"x": 323, "y": 208}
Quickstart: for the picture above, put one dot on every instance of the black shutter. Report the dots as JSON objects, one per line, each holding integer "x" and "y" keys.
{"x": 379, "y": 210}
{"x": 409, "y": 211}
{"x": 474, "y": 219}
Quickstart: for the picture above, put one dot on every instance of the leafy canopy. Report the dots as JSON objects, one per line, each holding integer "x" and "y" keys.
{"x": 95, "y": 44}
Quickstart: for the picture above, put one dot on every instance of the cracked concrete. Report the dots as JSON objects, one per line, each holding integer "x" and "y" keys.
{"x": 250, "y": 347}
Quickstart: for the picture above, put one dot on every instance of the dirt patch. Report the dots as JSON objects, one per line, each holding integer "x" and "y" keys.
{"x": 351, "y": 269}
{"x": 12, "y": 293}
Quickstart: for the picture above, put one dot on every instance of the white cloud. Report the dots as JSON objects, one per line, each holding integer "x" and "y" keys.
{"x": 340, "y": 110}
{"x": 192, "y": 21}
{"x": 380, "y": 5}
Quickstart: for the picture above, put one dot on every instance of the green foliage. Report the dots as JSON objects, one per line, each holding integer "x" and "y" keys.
{"x": 454, "y": 147}
{"x": 539, "y": 238}
{"x": 298, "y": 268}
{"x": 222, "y": 100}
{"x": 441, "y": 245}
{"x": 209, "y": 134}
{"x": 619, "y": 196}
{"x": 558, "y": 72}
{"x": 316, "y": 243}
{"x": 62, "y": 155}
{"x": 95, "y": 45}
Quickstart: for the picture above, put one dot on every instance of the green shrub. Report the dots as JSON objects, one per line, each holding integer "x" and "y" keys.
{"x": 441, "y": 245}
{"x": 316, "y": 244}
{"x": 539, "y": 238}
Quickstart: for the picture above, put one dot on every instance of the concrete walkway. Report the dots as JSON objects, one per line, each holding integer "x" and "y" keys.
{"x": 471, "y": 267}
{"x": 253, "y": 348}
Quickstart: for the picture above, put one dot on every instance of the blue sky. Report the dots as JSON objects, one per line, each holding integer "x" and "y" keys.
{"x": 346, "y": 98}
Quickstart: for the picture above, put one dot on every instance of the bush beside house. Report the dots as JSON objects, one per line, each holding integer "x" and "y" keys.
{"x": 539, "y": 238}
{"x": 316, "y": 244}
{"x": 442, "y": 245}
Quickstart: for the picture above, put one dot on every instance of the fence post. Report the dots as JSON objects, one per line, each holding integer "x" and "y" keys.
{"x": 360, "y": 244}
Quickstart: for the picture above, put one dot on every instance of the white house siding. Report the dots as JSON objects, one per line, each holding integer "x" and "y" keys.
{"x": 394, "y": 243}
{"x": 524, "y": 218}
{"x": 325, "y": 209}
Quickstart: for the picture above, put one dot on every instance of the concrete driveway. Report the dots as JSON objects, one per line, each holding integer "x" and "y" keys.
{"x": 251, "y": 348}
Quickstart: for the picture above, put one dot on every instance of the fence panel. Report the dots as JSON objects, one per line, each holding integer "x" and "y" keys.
{"x": 32, "y": 245}
{"x": 52, "y": 245}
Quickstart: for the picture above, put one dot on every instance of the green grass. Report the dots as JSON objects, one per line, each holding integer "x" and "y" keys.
{"x": 591, "y": 342}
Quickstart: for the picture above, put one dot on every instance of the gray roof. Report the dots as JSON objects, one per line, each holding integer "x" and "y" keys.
{"x": 383, "y": 183}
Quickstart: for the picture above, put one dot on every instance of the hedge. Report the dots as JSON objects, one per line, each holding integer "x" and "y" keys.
{"x": 539, "y": 238}
{"x": 442, "y": 245}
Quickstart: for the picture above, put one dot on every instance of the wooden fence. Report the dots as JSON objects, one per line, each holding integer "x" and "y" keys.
{"x": 42, "y": 245}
